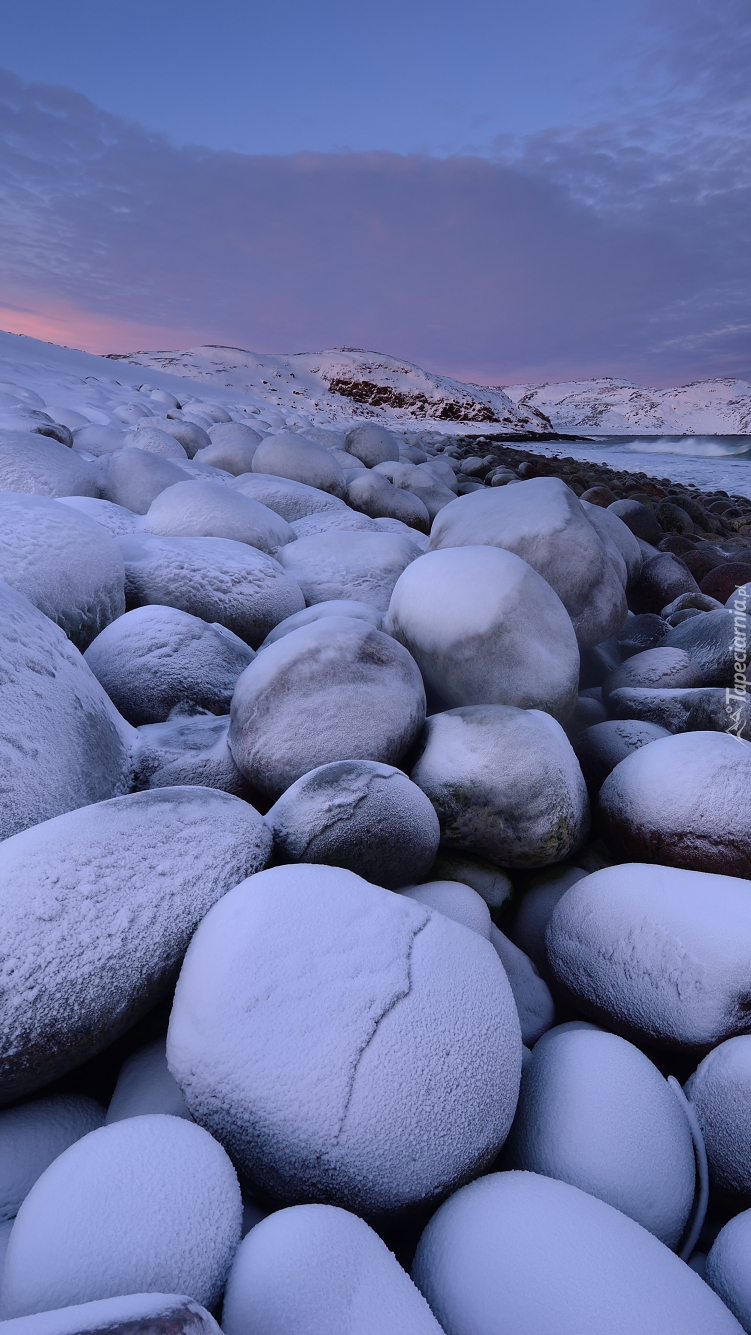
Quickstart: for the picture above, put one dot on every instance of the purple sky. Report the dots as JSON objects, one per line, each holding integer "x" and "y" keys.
{"x": 587, "y": 225}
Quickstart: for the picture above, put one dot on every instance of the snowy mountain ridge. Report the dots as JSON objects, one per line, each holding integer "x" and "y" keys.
{"x": 617, "y": 407}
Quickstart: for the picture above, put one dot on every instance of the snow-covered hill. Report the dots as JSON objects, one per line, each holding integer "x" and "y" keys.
{"x": 617, "y": 407}
{"x": 345, "y": 382}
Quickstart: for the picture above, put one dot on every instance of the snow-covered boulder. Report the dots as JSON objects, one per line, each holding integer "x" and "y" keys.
{"x": 657, "y": 953}
{"x": 534, "y": 908}
{"x": 98, "y": 440}
{"x": 349, "y": 521}
{"x": 604, "y": 745}
{"x": 336, "y": 689}
{"x": 614, "y": 533}
{"x": 654, "y": 669}
{"x": 714, "y": 640}
{"x": 485, "y": 628}
{"x": 33, "y": 1134}
{"x": 191, "y": 436}
{"x": 595, "y": 1112}
{"x": 145, "y": 1085}
{"x": 360, "y": 567}
{"x": 393, "y": 1071}
{"x": 371, "y": 444}
{"x": 505, "y": 783}
{"x": 62, "y": 562}
{"x": 728, "y": 1269}
{"x": 133, "y": 478}
{"x": 360, "y": 815}
{"x": 207, "y": 509}
{"x": 457, "y": 901}
{"x": 374, "y": 495}
{"x": 720, "y": 1090}
{"x": 334, "y": 607}
{"x": 156, "y": 658}
{"x": 544, "y": 523}
{"x": 534, "y": 1003}
{"x": 519, "y": 1254}
{"x": 682, "y": 800}
{"x": 98, "y": 907}
{"x": 215, "y": 579}
{"x": 114, "y": 518}
{"x": 316, "y": 1268}
{"x": 148, "y": 1203}
{"x": 62, "y": 742}
{"x": 292, "y": 500}
{"x": 233, "y": 450}
{"x": 193, "y": 751}
{"x": 290, "y": 455}
{"x": 38, "y": 464}
{"x": 147, "y": 436}
{"x": 155, "y": 1313}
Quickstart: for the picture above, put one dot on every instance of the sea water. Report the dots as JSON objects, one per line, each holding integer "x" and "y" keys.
{"x": 709, "y": 462}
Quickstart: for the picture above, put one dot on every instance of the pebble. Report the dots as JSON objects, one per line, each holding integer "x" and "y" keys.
{"x": 333, "y": 607}
{"x": 702, "y": 709}
{"x": 192, "y": 750}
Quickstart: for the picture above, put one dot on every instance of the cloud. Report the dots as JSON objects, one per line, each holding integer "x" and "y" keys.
{"x": 620, "y": 248}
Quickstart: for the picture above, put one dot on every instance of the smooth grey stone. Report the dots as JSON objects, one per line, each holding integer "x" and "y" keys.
{"x": 662, "y": 668}
{"x": 698, "y": 709}
{"x": 600, "y": 748}
{"x": 639, "y": 519}
{"x": 712, "y": 639}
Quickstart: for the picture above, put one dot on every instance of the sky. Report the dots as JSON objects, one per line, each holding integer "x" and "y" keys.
{"x": 501, "y": 190}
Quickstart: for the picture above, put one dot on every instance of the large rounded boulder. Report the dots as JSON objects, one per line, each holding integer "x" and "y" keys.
{"x": 505, "y": 783}
{"x": 133, "y": 478}
{"x": 206, "y": 509}
{"x": 37, "y": 464}
{"x": 292, "y": 500}
{"x": 717, "y": 642}
{"x": 394, "y": 1068}
{"x": 485, "y": 628}
{"x": 720, "y": 1090}
{"x": 98, "y": 907}
{"x": 33, "y": 1134}
{"x": 290, "y": 455}
{"x": 360, "y": 567}
{"x": 371, "y": 444}
{"x": 544, "y": 523}
{"x": 336, "y": 689}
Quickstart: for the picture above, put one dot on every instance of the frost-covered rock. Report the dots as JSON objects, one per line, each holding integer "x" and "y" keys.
{"x": 534, "y": 1004}
{"x": 334, "y": 607}
{"x": 485, "y": 628}
{"x": 654, "y": 669}
{"x": 145, "y": 1085}
{"x": 149, "y": 1203}
{"x": 393, "y": 1072}
{"x": 614, "y": 533}
{"x": 371, "y": 443}
{"x": 233, "y": 451}
{"x": 191, "y": 436}
{"x": 336, "y": 689}
{"x": 292, "y": 500}
{"x": 193, "y": 751}
{"x": 520, "y": 1253}
{"x": 360, "y": 567}
{"x": 147, "y": 436}
{"x": 156, "y": 658}
{"x": 728, "y": 1268}
{"x": 215, "y": 579}
{"x": 491, "y": 884}
{"x": 658, "y": 954}
{"x": 457, "y": 901}
{"x": 534, "y": 910}
{"x": 663, "y": 579}
{"x": 714, "y": 640}
{"x": 360, "y": 815}
{"x": 595, "y": 1112}
{"x": 682, "y": 800}
{"x": 62, "y": 742}
{"x": 693, "y": 709}
{"x": 33, "y": 1134}
{"x": 134, "y": 478}
{"x": 374, "y": 495}
{"x": 38, "y": 464}
{"x": 604, "y": 745}
{"x": 98, "y": 440}
{"x": 543, "y": 522}
{"x": 349, "y": 521}
{"x": 720, "y": 1090}
{"x": 505, "y": 783}
{"x": 114, "y": 518}
{"x": 62, "y": 562}
{"x": 639, "y": 520}
{"x": 133, "y": 1314}
{"x": 316, "y": 1268}
{"x": 290, "y": 455}
{"x": 98, "y": 907}
{"x": 212, "y": 510}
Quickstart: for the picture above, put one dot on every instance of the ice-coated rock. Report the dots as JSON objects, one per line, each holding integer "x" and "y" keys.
{"x": 535, "y": 906}
{"x": 145, "y": 1085}
{"x": 595, "y": 1112}
{"x": 485, "y": 628}
{"x": 114, "y": 518}
{"x": 698, "y": 709}
{"x": 290, "y": 455}
{"x": 371, "y": 444}
{"x": 457, "y": 901}
{"x": 134, "y": 478}
{"x": 316, "y": 1268}
{"x": 374, "y": 495}
{"x": 505, "y": 783}
{"x": 38, "y": 464}
{"x": 720, "y": 1090}
{"x": 715, "y": 640}
{"x": 359, "y": 567}
{"x": 603, "y": 746}
{"x": 534, "y": 1004}
{"x": 658, "y": 954}
{"x": 683, "y": 801}
{"x": 728, "y": 1268}
{"x": 148, "y": 1203}
{"x": 191, "y": 436}
{"x": 336, "y": 689}
{"x": 62, "y": 742}
{"x": 147, "y": 436}
{"x": 215, "y": 579}
{"x": 211, "y": 510}
{"x": 292, "y": 500}
{"x": 33, "y": 1134}
{"x": 655, "y": 669}
{"x": 133, "y": 1314}
{"x": 521, "y": 1254}
{"x": 156, "y": 658}
{"x": 193, "y": 751}
{"x": 62, "y": 562}
{"x": 98, "y": 907}
{"x": 543, "y": 522}
{"x": 360, "y": 815}
{"x": 334, "y": 607}
{"x": 388, "y": 1022}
